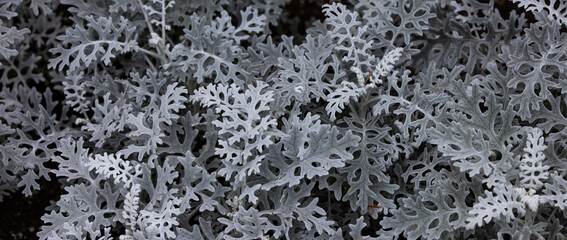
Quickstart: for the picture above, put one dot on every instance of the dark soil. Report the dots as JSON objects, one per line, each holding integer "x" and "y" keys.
{"x": 20, "y": 216}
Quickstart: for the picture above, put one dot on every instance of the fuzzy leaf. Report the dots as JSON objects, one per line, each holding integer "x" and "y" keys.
{"x": 101, "y": 40}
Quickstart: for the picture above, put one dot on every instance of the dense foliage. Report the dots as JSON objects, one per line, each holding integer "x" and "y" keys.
{"x": 385, "y": 119}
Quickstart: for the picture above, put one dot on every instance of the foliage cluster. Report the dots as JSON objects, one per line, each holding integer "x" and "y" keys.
{"x": 386, "y": 119}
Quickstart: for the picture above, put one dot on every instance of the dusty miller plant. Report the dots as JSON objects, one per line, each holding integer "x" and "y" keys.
{"x": 386, "y": 119}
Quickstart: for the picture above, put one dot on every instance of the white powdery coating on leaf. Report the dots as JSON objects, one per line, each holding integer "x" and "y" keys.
{"x": 533, "y": 171}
